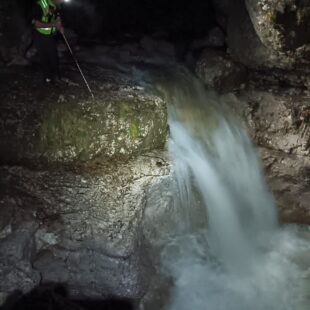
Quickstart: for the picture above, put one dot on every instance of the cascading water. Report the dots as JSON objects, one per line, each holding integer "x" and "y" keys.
{"x": 230, "y": 254}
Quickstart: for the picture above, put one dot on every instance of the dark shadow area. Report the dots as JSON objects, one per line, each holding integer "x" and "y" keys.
{"x": 56, "y": 297}
{"x": 114, "y": 19}
{"x": 295, "y": 25}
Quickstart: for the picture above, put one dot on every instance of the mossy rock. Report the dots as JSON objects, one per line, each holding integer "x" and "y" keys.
{"x": 110, "y": 129}
{"x": 116, "y": 126}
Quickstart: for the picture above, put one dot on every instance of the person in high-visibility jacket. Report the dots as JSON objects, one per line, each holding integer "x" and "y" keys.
{"x": 47, "y": 22}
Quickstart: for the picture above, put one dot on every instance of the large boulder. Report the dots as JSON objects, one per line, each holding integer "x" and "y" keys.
{"x": 244, "y": 44}
{"x": 124, "y": 120}
{"x": 269, "y": 34}
{"x": 281, "y": 25}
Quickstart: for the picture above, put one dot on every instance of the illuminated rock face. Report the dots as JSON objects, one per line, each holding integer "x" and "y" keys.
{"x": 118, "y": 124}
{"x": 110, "y": 128}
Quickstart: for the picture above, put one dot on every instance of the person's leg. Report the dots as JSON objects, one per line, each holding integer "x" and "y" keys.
{"x": 53, "y": 58}
{"x": 41, "y": 42}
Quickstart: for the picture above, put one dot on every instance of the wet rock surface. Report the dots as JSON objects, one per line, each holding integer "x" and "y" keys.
{"x": 278, "y": 122}
{"x": 288, "y": 177}
{"x": 281, "y": 25}
{"x": 80, "y": 227}
{"x": 257, "y": 37}
{"x": 270, "y": 40}
{"x": 279, "y": 119}
{"x": 42, "y": 125}
{"x": 71, "y": 210}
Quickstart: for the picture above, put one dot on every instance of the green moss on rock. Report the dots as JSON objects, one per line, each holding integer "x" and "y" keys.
{"x": 71, "y": 132}
{"x": 134, "y": 130}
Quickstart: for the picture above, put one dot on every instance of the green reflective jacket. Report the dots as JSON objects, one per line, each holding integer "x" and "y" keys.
{"x": 48, "y": 10}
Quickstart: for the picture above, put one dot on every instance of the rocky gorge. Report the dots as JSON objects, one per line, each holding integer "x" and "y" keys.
{"x": 87, "y": 186}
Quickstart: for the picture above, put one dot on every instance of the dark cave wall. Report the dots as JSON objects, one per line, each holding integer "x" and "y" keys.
{"x": 259, "y": 34}
{"x": 115, "y": 18}
{"x": 14, "y": 28}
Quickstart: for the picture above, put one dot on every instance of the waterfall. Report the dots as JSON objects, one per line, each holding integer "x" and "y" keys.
{"x": 228, "y": 251}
